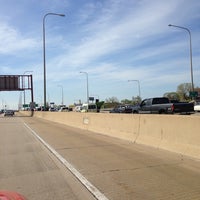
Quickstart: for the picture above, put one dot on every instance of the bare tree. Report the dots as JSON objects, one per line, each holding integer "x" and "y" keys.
{"x": 183, "y": 90}
{"x": 172, "y": 95}
{"x": 112, "y": 100}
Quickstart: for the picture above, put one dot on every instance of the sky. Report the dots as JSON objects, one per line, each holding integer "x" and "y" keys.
{"x": 113, "y": 41}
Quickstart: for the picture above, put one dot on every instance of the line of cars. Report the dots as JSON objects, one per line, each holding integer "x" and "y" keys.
{"x": 159, "y": 105}
{"x": 91, "y": 107}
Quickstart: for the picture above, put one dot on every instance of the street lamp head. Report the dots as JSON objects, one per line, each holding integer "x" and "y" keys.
{"x": 62, "y": 15}
{"x": 133, "y": 80}
{"x": 27, "y": 72}
{"x": 83, "y": 72}
{"x": 169, "y": 25}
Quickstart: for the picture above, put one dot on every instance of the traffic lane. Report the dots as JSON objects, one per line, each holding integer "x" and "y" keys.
{"x": 120, "y": 169}
{"x": 28, "y": 168}
{"x": 196, "y": 113}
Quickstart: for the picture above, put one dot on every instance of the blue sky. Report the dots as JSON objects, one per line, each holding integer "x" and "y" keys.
{"x": 112, "y": 40}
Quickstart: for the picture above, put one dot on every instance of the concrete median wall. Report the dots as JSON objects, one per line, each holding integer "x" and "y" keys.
{"x": 177, "y": 133}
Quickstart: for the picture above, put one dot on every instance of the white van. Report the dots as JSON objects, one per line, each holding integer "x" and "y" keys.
{"x": 92, "y": 107}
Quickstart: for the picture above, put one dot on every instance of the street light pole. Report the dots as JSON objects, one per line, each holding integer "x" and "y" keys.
{"x": 44, "y": 53}
{"x": 87, "y": 86}
{"x": 191, "y": 68}
{"x": 138, "y": 86}
{"x": 62, "y": 93}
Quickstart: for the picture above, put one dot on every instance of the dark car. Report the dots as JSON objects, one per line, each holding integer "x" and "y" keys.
{"x": 9, "y": 113}
{"x": 135, "y": 108}
{"x": 122, "y": 109}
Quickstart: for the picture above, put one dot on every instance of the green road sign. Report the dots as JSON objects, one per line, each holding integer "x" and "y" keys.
{"x": 25, "y": 105}
{"x": 194, "y": 94}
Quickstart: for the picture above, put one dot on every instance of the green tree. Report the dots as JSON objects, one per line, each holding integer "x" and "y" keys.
{"x": 126, "y": 101}
{"x": 111, "y": 102}
{"x": 99, "y": 105}
{"x": 136, "y": 100}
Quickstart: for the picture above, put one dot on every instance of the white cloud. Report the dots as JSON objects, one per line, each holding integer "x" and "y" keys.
{"x": 12, "y": 41}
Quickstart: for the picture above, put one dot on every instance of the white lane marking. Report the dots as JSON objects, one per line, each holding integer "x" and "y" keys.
{"x": 91, "y": 188}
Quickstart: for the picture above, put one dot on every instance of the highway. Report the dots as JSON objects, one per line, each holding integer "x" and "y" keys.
{"x": 50, "y": 161}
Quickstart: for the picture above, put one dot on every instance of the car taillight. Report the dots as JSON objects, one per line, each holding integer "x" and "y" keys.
{"x": 172, "y": 107}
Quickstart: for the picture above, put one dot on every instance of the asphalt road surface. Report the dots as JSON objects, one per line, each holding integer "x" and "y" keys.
{"x": 118, "y": 169}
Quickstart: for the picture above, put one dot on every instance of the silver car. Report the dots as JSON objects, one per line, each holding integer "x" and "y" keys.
{"x": 9, "y": 113}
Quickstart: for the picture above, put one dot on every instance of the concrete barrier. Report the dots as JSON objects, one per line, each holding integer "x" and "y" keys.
{"x": 177, "y": 133}
{"x": 122, "y": 126}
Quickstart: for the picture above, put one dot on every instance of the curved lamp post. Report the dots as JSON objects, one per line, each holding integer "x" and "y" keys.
{"x": 44, "y": 53}
{"x": 191, "y": 68}
{"x": 87, "y": 86}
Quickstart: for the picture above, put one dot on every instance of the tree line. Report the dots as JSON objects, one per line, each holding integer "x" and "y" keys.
{"x": 182, "y": 93}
